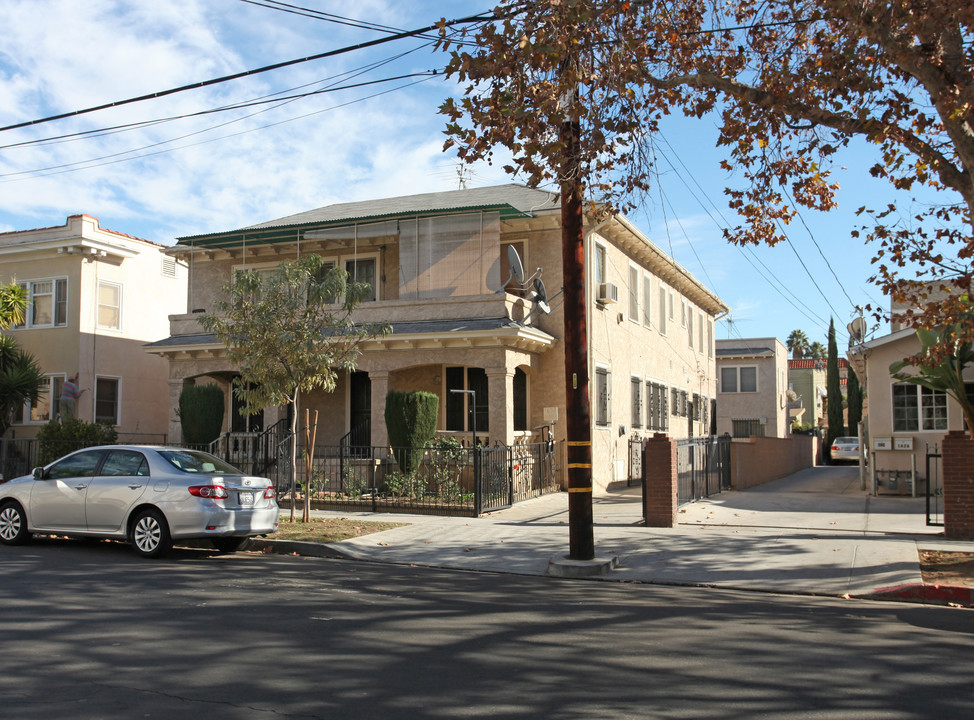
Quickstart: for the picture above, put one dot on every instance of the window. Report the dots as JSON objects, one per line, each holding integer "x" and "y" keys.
{"x": 683, "y": 313}
{"x": 918, "y": 408}
{"x": 47, "y": 406}
{"x": 634, "y": 293}
{"x": 599, "y": 263}
{"x": 658, "y": 407}
{"x": 696, "y": 407}
{"x": 106, "y": 400}
{"x": 520, "y": 400}
{"x": 47, "y": 303}
{"x": 362, "y": 270}
{"x": 747, "y": 428}
{"x": 689, "y": 323}
{"x": 168, "y": 266}
{"x": 80, "y": 465}
{"x": 700, "y": 324}
{"x": 602, "y": 397}
{"x": 739, "y": 379}
{"x": 662, "y": 310}
{"x": 637, "y": 402}
{"x": 109, "y": 305}
{"x": 647, "y": 299}
{"x": 124, "y": 463}
{"x": 459, "y": 406}
{"x": 710, "y": 338}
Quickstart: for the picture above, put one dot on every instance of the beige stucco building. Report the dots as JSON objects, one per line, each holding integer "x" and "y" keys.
{"x": 95, "y": 297}
{"x": 752, "y": 395}
{"x": 439, "y": 265}
{"x": 904, "y": 421}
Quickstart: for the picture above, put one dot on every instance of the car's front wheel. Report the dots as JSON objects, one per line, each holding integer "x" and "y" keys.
{"x": 149, "y": 534}
{"x": 13, "y": 525}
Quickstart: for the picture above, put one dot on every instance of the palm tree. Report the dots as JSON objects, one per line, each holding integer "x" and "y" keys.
{"x": 798, "y": 344}
{"x": 13, "y": 304}
{"x": 816, "y": 350}
{"x": 21, "y": 379}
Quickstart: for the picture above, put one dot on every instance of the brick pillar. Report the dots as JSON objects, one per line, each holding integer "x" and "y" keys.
{"x": 958, "y": 483}
{"x": 659, "y": 470}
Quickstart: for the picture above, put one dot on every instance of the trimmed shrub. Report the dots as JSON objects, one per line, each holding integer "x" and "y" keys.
{"x": 60, "y": 438}
{"x": 201, "y": 410}
{"x": 411, "y": 423}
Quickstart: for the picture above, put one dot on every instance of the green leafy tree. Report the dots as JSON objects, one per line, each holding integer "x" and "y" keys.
{"x": 932, "y": 369}
{"x": 790, "y": 83}
{"x": 287, "y": 335}
{"x": 854, "y": 397}
{"x": 833, "y": 387}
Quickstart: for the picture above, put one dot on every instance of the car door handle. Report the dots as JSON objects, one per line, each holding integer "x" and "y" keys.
{"x": 80, "y": 487}
{"x": 135, "y": 486}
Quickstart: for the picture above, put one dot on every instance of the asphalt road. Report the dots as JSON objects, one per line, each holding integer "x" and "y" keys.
{"x": 88, "y": 630}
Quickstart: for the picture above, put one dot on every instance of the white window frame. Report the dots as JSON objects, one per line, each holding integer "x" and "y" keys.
{"x": 924, "y": 396}
{"x": 737, "y": 377}
{"x": 647, "y": 300}
{"x": 54, "y": 395}
{"x": 343, "y": 260}
{"x": 118, "y": 398}
{"x": 109, "y": 283}
{"x": 600, "y": 264}
{"x": 29, "y": 285}
{"x": 634, "y": 292}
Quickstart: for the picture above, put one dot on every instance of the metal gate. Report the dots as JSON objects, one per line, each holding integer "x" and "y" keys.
{"x": 703, "y": 468}
{"x": 935, "y": 487}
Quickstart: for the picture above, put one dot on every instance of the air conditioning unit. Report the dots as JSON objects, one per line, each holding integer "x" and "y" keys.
{"x": 608, "y": 293}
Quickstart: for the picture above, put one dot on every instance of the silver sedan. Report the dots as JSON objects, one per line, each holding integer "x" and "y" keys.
{"x": 147, "y": 495}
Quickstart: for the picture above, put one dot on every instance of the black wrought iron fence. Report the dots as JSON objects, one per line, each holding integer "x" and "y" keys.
{"x": 445, "y": 480}
{"x": 703, "y": 467}
{"x": 935, "y": 486}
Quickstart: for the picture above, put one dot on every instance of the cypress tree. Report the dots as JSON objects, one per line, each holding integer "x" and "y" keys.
{"x": 834, "y": 389}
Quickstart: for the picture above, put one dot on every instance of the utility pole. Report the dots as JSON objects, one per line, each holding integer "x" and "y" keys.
{"x": 579, "y": 430}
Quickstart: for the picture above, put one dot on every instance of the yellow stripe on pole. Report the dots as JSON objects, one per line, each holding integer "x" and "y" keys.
{"x": 574, "y": 490}
{"x": 579, "y": 443}
{"x": 582, "y": 466}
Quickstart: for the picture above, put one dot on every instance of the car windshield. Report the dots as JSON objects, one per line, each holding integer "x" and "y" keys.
{"x": 847, "y": 440}
{"x": 195, "y": 461}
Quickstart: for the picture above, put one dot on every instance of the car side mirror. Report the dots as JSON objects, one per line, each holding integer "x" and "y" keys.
{"x": 39, "y": 474}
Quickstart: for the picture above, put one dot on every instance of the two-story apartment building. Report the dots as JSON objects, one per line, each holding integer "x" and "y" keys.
{"x": 95, "y": 297}
{"x": 439, "y": 265}
{"x": 752, "y": 394}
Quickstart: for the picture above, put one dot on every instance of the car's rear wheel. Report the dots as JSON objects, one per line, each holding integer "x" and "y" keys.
{"x": 149, "y": 534}
{"x": 228, "y": 544}
{"x": 13, "y": 525}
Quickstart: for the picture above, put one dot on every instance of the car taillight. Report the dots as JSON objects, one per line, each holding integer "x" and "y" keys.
{"x": 214, "y": 492}
{"x": 270, "y": 492}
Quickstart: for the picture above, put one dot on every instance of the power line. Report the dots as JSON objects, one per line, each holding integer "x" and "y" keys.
{"x": 255, "y": 71}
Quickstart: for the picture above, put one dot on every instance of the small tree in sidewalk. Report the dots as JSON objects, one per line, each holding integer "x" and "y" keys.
{"x": 290, "y": 332}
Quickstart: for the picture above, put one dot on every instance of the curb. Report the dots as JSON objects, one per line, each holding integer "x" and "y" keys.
{"x": 957, "y": 595}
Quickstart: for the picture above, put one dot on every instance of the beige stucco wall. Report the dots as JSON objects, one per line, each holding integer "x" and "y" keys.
{"x": 879, "y": 423}
{"x": 629, "y": 348}
{"x": 148, "y": 298}
{"x": 769, "y": 402}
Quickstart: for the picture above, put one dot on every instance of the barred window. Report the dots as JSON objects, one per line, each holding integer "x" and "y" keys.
{"x": 602, "y": 416}
{"x": 637, "y": 402}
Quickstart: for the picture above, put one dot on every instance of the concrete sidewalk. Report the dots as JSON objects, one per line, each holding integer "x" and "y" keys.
{"x": 812, "y": 533}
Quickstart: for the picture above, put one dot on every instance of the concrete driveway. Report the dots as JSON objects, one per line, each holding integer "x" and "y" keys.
{"x": 823, "y": 498}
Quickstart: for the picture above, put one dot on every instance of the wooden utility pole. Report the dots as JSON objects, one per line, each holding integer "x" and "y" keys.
{"x": 579, "y": 430}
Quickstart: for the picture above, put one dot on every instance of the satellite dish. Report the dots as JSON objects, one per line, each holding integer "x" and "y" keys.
{"x": 541, "y": 296}
{"x": 856, "y": 329}
{"x": 517, "y": 269}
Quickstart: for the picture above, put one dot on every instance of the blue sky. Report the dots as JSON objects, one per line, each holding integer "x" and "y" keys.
{"x": 227, "y": 170}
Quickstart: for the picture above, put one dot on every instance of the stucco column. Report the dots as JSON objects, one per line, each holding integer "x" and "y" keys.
{"x": 175, "y": 431}
{"x": 500, "y": 409}
{"x": 380, "y": 386}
